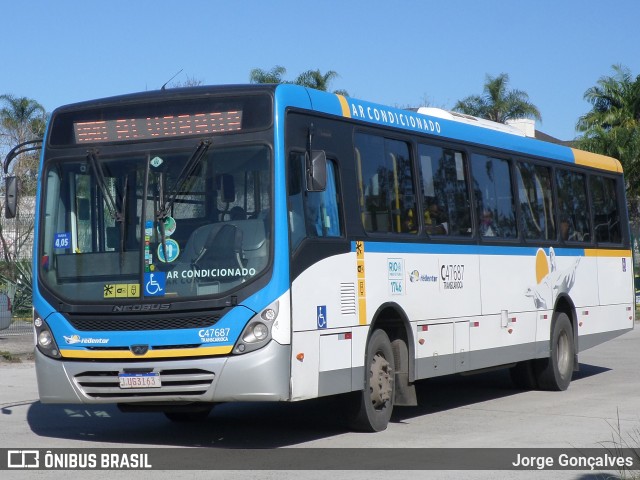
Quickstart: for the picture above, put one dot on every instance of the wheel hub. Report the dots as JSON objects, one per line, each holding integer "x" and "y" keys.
{"x": 381, "y": 384}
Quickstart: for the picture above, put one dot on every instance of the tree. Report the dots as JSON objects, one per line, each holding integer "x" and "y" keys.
{"x": 274, "y": 75}
{"x": 497, "y": 103}
{"x": 612, "y": 127}
{"x": 315, "y": 79}
{"x": 311, "y": 78}
{"x": 22, "y": 119}
{"x": 189, "y": 82}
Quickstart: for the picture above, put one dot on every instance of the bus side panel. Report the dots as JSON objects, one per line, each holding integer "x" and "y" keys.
{"x": 614, "y": 315}
{"x": 324, "y": 309}
{"x": 508, "y": 282}
{"x": 615, "y": 283}
{"x": 434, "y": 349}
{"x": 428, "y": 286}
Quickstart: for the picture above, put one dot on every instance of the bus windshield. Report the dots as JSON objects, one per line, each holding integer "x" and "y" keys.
{"x": 175, "y": 223}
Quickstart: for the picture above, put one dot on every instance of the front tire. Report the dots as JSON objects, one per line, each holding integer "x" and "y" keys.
{"x": 374, "y": 404}
{"x": 555, "y": 372}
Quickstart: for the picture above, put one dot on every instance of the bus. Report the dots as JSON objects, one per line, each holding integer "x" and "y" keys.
{"x": 277, "y": 243}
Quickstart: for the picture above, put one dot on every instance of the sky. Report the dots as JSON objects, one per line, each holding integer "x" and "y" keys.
{"x": 400, "y": 53}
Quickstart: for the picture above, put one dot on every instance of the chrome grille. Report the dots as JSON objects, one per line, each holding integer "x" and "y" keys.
{"x": 183, "y": 382}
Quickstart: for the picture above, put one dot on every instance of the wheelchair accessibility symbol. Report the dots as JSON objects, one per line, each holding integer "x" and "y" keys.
{"x": 322, "y": 316}
{"x": 154, "y": 284}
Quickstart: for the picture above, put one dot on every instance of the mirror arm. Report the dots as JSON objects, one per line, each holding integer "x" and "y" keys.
{"x": 19, "y": 149}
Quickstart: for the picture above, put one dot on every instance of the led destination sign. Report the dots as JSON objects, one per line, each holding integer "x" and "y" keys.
{"x": 124, "y": 130}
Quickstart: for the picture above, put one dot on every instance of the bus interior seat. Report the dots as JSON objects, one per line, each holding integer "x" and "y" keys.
{"x": 254, "y": 245}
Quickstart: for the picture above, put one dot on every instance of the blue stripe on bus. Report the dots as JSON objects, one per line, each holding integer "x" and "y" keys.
{"x": 452, "y": 249}
{"x": 377, "y": 114}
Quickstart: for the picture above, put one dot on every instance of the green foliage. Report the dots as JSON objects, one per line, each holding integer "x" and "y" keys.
{"x": 274, "y": 75}
{"x": 311, "y": 78}
{"x": 17, "y": 276}
{"x": 22, "y": 119}
{"x": 612, "y": 127}
{"x": 497, "y": 103}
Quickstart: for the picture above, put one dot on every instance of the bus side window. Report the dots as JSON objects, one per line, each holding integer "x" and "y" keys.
{"x": 492, "y": 189}
{"x": 606, "y": 217}
{"x": 312, "y": 214}
{"x": 573, "y": 206}
{"x": 322, "y": 208}
{"x": 444, "y": 190}
{"x": 385, "y": 184}
{"x": 536, "y": 202}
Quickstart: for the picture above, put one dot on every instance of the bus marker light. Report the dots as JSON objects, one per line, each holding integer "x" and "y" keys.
{"x": 421, "y": 341}
{"x": 300, "y": 357}
{"x": 475, "y": 324}
{"x": 580, "y": 324}
{"x": 510, "y": 330}
{"x": 425, "y": 328}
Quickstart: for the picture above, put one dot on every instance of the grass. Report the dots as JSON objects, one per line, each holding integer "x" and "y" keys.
{"x": 9, "y": 357}
{"x": 625, "y": 444}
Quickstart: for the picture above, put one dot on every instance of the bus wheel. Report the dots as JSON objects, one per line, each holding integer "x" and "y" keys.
{"x": 193, "y": 414}
{"x": 554, "y": 373}
{"x": 374, "y": 404}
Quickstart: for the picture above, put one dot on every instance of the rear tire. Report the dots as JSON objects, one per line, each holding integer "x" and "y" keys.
{"x": 555, "y": 372}
{"x": 374, "y": 405}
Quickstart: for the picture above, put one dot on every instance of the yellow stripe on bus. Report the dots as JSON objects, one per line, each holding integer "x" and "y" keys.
{"x": 595, "y": 160}
{"x": 603, "y": 252}
{"x": 344, "y": 105}
{"x": 168, "y": 353}
{"x": 361, "y": 288}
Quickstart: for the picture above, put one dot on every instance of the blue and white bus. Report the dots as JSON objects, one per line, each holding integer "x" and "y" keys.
{"x": 276, "y": 243}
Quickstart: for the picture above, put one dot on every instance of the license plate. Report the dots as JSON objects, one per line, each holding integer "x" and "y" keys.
{"x": 140, "y": 380}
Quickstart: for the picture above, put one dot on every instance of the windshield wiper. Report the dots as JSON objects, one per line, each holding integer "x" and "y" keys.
{"x": 165, "y": 207}
{"x": 102, "y": 185}
{"x": 112, "y": 206}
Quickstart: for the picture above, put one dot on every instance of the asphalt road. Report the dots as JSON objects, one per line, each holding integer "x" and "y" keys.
{"x": 601, "y": 407}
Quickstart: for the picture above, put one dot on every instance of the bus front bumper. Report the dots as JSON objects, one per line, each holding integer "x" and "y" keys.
{"x": 262, "y": 375}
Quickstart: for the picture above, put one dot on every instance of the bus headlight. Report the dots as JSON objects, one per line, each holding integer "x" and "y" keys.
{"x": 45, "y": 342}
{"x": 257, "y": 333}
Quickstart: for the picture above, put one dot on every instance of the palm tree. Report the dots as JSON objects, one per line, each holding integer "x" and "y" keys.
{"x": 274, "y": 75}
{"x": 310, "y": 78}
{"x": 612, "y": 127}
{"x": 21, "y": 119}
{"x": 315, "y": 79}
{"x": 497, "y": 103}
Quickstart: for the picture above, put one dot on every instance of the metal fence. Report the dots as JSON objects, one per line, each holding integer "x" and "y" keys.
{"x": 19, "y": 326}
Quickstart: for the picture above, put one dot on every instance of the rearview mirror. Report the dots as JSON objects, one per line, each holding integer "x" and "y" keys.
{"x": 10, "y": 196}
{"x": 316, "y": 171}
